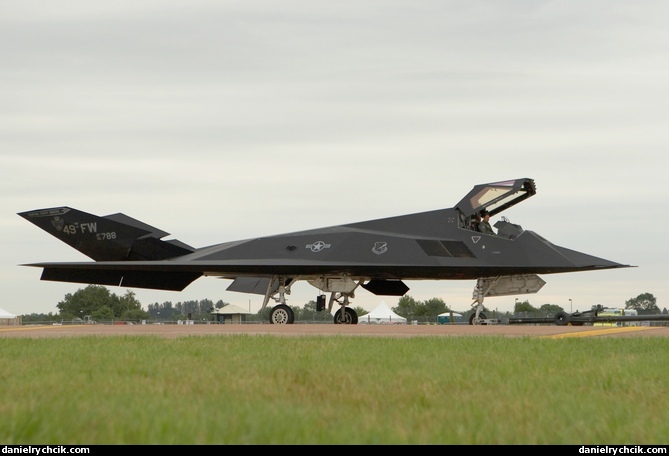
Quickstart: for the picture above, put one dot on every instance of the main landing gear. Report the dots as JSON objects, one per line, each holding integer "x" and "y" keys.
{"x": 345, "y": 315}
{"x": 282, "y": 314}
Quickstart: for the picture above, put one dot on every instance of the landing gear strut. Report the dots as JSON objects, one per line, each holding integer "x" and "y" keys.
{"x": 341, "y": 292}
{"x": 281, "y": 314}
{"x": 478, "y": 317}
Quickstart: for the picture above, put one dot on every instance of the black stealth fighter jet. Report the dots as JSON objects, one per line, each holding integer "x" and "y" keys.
{"x": 376, "y": 255}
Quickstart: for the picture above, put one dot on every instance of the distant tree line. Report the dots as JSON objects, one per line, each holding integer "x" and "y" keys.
{"x": 98, "y": 303}
{"x": 644, "y": 304}
{"x": 183, "y": 310}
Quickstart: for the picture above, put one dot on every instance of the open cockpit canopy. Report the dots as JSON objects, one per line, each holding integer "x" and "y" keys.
{"x": 496, "y": 196}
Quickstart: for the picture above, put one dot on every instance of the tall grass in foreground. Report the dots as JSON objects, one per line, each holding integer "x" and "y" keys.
{"x": 242, "y": 389}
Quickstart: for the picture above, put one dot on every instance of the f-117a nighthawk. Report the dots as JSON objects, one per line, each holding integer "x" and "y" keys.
{"x": 376, "y": 255}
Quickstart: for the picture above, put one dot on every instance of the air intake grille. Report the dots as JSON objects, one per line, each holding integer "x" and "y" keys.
{"x": 445, "y": 248}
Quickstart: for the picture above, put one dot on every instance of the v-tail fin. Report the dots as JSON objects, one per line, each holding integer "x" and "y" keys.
{"x": 115, "y": 237}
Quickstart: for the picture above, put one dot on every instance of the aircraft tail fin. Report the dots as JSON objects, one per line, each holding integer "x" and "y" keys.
{"x": 115, "y": 237}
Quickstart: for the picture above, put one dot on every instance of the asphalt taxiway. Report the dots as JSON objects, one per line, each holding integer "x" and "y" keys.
{"x": 173, "y": 330}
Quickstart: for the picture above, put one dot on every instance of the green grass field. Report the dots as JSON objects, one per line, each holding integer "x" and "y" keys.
{"x": 242, "y": 389}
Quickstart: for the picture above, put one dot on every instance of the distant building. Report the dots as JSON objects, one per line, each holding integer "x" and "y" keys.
{"x": 445, "y": 318}
{"x": 230, "y": 314}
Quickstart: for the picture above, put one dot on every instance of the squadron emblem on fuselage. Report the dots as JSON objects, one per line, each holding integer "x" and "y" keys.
{"x": 380, "y": 248}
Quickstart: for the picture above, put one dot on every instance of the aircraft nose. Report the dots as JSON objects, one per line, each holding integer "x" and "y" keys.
{"x": 546, "y": 254}
{"x": 585, "y": 261}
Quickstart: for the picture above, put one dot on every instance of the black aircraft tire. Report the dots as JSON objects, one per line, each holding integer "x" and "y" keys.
{"x": 481, "y": 317}
{"x": 354, "y": 316}
{"x": 282, "y": 315}
{"x": 561, "y": 318}
{"x": 347, "y": 318}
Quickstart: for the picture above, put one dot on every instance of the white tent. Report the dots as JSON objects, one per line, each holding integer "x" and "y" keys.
{"x": 9, "y": 319}
{"x": 5, "y": 314}
{"x": 381, "y": 315}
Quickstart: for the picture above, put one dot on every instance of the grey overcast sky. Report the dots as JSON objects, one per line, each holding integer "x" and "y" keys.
{"x": 218, "y": 120}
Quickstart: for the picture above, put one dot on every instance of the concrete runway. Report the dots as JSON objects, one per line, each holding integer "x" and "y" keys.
{"x": 172, "y": 330}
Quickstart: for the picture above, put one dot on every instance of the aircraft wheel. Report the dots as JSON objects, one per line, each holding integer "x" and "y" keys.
{"x": 348, "y": 317}
{"x": 561, "y": 318}
{"x": 282, "y": 315}
{"x": 473, "y": 316}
